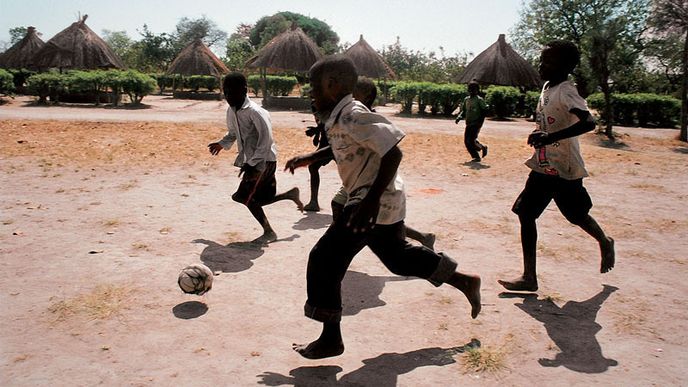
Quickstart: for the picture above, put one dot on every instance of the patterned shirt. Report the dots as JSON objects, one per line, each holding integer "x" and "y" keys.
{"x": 250, "y": 127}
{"x": 561, "y": 158}
{"x": 359, "y": 139}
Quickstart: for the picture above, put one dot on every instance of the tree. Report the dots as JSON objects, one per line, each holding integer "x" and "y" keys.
{"x": 239, "y": 49}
{"x": 153, "y": 52}
{"x": 17, "y": 34}
{"x": 122, "y": 45}
{"x": 188, "y": 30}
{"x": 419, "y": 66}
{"x": 268, "y": 27}
{"x": 608, "y": 32}
{"x": 669, "y": 18}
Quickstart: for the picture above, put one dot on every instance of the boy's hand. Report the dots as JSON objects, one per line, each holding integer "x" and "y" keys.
{"x": 538, "y": 139}
{"x": 296, "y": 162}
{"x": 214, "y": 148}
{"x": 364, "y": 216}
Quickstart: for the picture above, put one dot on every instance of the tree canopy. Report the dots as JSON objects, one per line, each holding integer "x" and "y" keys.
{"x": 268, "y": 27}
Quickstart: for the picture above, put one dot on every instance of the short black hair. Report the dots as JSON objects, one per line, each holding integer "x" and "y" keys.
{"x": 233, "y": 80}
{"x": 473, "y": 85}
{"x": 340, "y": 67}
{"x": 566, "y": 51}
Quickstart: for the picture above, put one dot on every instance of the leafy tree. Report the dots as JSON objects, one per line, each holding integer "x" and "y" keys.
{"x": 188, "y": 30}
{"x": 268, "y": 27}
{"x": 239, "y": 50}
{"x": 608, "y": 32}
{"x": 122, "y": 45}
{"x": 17, "y": 34}
{"x": 669, "y": 18}
{"x": 154, "y": 52}
{"x": 418, "y": 66}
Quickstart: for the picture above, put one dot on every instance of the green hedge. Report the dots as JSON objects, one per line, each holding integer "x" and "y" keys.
{"x": 276, "y": 85}
{"x": 6, "y": 82}
{"x": 51, "y": 84}
{"x": 441, "y": 98}
{"x": 641, "y": 109}
{"x": 503, "y": 100}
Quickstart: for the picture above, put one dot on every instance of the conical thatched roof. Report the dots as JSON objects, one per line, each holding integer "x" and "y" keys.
{"x": 77, "y": 47}
{"x": 197, "y": 59}
{"x": 499, "y": 64}
{"x": 21, "y": 54}
{"x": 368, "y": 62}
{"x": 292, "y": 50}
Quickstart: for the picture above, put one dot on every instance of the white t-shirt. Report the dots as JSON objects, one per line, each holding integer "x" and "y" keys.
{"x": 359, "y": 139}
{"x": 561, "y": 158}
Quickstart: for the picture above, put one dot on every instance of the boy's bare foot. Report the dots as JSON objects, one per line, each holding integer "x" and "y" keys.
{"x": 607, "y": 250}
{"x": 293, "y": 195}
{"x": 470, "y": 287}
{"x": 520, "y": 284}
{"x": 429, "y": 241}
{"x": 312, "y": 207}
{"x": 267, "y": 237}
{"x": 320, "y": 349}
{"x": 484, "y": 151}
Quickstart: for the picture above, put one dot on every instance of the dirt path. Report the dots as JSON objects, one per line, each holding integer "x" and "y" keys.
{"x": 102, "y": 208}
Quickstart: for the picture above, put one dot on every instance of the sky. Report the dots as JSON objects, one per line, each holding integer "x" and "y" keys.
{"x": 459, "y": 26}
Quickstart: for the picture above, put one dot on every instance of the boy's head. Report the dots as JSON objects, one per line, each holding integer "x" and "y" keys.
{"x": 473, "y": 88}
{"x": 365, "y": 91}
{"x": 558, "y": 59}
{"x": 332, "y": 78}
{"x": 235, "y": 89}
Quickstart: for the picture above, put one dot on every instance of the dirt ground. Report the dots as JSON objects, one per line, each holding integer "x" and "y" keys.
{"x": 101, "y": 208}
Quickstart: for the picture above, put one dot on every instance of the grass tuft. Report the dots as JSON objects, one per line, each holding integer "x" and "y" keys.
{"x": 103, "y": 302}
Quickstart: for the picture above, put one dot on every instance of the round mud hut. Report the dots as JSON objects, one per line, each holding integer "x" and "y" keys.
{"x": 20, "y": 55}
{"x": 197, "y": 59}
{"x": 369, "y": 62}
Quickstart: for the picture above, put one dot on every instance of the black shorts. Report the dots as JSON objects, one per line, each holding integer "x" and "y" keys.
{"x": 569, "y": 195}
{"x": 258, "y": 186}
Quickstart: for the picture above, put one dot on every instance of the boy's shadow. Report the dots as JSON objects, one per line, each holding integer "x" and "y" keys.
{"x": 313, "y": 221}
{"x": 476, "y": 165}
{"x": 572, "y": 328}
{"x": 383, "y": 370}
{"x": 232, "y": 258}
{"x": 362, "y": 291}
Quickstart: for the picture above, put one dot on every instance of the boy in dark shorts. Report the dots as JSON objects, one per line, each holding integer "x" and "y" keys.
{"x": 249, "y": 126}
{"x": 364, "y": 145}
{"x": 473, "y": 110}
{"x": 320, "y": 141}
{"x": 557, "y": 166}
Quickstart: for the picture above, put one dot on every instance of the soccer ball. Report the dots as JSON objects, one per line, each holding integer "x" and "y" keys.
{"x": 195, "y": 279}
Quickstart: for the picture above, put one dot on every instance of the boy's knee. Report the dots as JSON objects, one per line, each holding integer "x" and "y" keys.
{"x": 239, "y": 198}
{"x": 576, "y": 219}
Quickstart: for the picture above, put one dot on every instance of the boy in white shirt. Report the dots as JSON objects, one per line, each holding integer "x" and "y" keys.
{"x": 364, "y": 145}
{"x": 249, "y": 126}
{"x": 557, "y": 165}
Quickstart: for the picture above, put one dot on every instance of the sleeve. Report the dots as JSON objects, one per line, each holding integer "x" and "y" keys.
{"x": 572, "y": 100}
{"x": 373, "y": 131}
{"x": 264, "y": 142}
{"x": 230, "y": 137}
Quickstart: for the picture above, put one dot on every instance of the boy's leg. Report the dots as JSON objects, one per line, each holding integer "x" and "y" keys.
{"x": 426, "y": 239}
{"x": 402, "y": 258}
{"x": 480, "y": 146}
{"x": 469, "y": 138}
{"x": 327, "y": 264}
{"x": 266, "y": 188}
{"x": 574, "y": 203}
{"x": 315, "y": 187}
{"x": 246, "y": 195}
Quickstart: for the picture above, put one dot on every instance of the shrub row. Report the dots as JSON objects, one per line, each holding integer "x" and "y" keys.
{"x": 6, "y": 82}
{"x": 642, "y": 109}
{"x": 94, "y": 83}
{"x": 275, "y": 85}
{"x": 193, "y": 82}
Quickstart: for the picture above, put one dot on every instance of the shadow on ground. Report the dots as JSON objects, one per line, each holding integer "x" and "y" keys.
{"x": 313, "y": 221}
{"x": 231, "y": 258}
{"x": 189, "y": 309}
{"x": 381, "y": 371}
{"x": 572, "y": 328}
{"x": 362, "y": 291}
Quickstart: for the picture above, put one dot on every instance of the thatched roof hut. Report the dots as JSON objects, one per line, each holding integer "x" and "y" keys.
{"x": 20, "y": 55}
{"x": 368, "y": 61}
{"x": 291, "y": 50}
{"x": 499, "y": 64}
{"x": 197, "y": 59}
{"x": 77, "y": 47}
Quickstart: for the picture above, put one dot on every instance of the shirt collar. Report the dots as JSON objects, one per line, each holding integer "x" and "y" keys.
{"x": 247, "y": 102}
{"x": 338, "y": 109}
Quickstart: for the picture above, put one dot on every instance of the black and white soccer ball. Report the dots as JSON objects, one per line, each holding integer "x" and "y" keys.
{"x": 195, "y": 279}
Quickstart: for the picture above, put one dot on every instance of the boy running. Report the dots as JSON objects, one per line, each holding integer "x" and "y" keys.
{"x": 473, "y": 110}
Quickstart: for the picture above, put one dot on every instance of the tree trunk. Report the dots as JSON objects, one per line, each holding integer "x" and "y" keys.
{"x": 684, "y": 93}
{"x": 608, "y": 109}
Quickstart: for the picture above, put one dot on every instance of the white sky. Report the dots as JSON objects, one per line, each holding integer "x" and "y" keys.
{"x": 460, "y": 26}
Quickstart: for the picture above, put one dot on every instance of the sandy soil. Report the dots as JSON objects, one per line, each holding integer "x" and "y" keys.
{"x": 102, "y": 207}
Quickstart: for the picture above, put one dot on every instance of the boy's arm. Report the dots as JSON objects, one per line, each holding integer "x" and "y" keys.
{"x": 585, "y": 124}
{"x": 263, "y": 144}
{"x": 462, "y": 111}
{"x": 225, "y": 143}
{"x": 321, "y": 154}
{"x": 365, "y": 215}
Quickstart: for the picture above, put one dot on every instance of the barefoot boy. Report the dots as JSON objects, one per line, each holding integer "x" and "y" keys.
{"x": 473, "y": 110}
{"x": 557, "y": 166}
{"x": 364, "y": 145}
{"x": 250, "y": 125}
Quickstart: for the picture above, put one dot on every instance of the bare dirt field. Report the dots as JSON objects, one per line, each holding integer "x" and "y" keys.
{"x": 101, "y": 208}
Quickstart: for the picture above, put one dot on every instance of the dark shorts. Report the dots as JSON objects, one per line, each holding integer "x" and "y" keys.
{"x": 569, "y": 195}
{"x": 260, "y": 187}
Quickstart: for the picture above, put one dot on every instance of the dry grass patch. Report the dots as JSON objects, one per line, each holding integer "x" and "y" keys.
{"x": 484, "y": 359}
{"x": 103, "y": 302}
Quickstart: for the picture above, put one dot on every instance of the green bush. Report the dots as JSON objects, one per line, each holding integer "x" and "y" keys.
{"x": 384, "y": 89}
{"x": 642, "y": 109}
{"x": 530, "y": 103}
{"x": 46, "y": 85}
{"x": 6, "y": 82}
{"x": 196, "y": 82}
{"x": 136, "y": 85}
{"x": 405, "y": 93}
{"x": 276, "y": 85}
{"x": 164, "y": 81}
{"x": 447, "y": 97}
{"x": 502, "y": 100}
